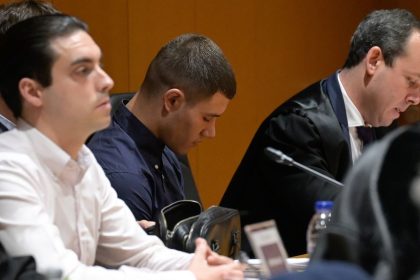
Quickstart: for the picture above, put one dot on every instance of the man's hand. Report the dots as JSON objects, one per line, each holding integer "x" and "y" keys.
{"x": 148, "y": 226}
{"x": 207, "y": 265}
{"x": 216, "y": 259}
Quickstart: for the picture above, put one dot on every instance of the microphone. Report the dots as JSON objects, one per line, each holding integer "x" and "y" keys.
{"x": 279, "y": 157}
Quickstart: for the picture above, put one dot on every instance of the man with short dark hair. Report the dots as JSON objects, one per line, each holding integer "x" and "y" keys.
{"x": 55, "y": 200}
{"x": 187, "y": 87}
{"x": 321, "y": 126}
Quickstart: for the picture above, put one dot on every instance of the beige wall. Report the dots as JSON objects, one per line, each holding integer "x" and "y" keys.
{"x": 276, "y": 47}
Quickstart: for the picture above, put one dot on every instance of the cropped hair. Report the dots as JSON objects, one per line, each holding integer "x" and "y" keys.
{"x": 14, "y": 12}
{"x": 192, "y": 63}
{"x": 26, "y": 52}
{"x": 387, "y": 29}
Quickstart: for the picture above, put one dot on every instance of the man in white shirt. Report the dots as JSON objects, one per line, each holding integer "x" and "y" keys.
{"x": 55, "y": 201}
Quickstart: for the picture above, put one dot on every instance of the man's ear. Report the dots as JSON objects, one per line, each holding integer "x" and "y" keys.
{"x": 374, "y": 59}
{"x": 31, "y": 91}
{"x": 173, "y": 99}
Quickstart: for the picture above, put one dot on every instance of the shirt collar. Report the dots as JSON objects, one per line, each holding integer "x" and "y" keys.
{"x": 145, "y": 140}
{"x": 54, "y": 157}
{"x": 354, "y": 118}
{"x": 6, "y": 122}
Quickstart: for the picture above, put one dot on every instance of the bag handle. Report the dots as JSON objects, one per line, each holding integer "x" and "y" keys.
{"x": 171, "y": 214}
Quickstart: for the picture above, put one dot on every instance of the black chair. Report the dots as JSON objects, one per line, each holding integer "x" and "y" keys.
{"x": 190, "y": 188}
{"x": 117, "y": 98}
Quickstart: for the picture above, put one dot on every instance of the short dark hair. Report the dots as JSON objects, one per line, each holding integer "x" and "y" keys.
{"x": 14, "y": 12}
{"x": 387, "y": 29}
{"x": 26, "y": 53}
{"x": 192, "y": 63}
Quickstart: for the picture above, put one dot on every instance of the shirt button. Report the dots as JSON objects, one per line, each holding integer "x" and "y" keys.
{"x": 156, "y": 167}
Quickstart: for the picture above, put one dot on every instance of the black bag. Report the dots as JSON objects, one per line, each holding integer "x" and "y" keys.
{"x": 18, "y": 268}
{"x": 181, "y": 222}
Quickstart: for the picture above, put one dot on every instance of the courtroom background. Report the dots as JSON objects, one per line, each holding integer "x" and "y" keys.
{"x": 276, "y": 47}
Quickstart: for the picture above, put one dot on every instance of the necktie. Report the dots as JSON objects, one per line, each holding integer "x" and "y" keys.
{"x": 366, "y": 134}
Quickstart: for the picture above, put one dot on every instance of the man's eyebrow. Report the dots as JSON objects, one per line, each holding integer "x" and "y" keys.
{"x": 85, "y": 60}
{"x": 413, "y": 74}
{"x": 213, "y": 115}
{"x": 82, "y": 60}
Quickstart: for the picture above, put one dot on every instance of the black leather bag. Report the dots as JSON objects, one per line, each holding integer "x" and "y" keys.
{"x": 18, "y": 268}
{"x": 181, "y": 222}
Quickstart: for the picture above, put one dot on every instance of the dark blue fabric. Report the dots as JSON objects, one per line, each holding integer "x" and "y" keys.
{"x": 3, "y": 128}
{"x": 366, "y": 135}
{"x": 145, "y": 173}
{"x": 5, "y": 124}
{"x": 327, "y": 271}
{"x": 331, "y": 87}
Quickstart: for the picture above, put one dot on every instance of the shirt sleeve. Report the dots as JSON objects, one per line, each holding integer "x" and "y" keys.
{"x": 122, "y": 238}
{"x": 124, "y": 251}
{"x": 134, "y": 190}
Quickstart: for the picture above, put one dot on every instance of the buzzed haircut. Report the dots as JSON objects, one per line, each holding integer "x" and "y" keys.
{"x": 192, "y": 63}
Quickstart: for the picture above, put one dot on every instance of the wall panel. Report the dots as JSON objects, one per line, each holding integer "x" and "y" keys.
{"x": 231, "y": 24}
{"x": 151, "y": 25}
{"x": 276, "y": 49}
{"x": 108, "y": 24}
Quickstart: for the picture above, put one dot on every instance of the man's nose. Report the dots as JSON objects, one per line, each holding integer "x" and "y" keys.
{"x": 106, "y": 82}
{"x": 413, "y": 99}
{"x": 210, "y": 132}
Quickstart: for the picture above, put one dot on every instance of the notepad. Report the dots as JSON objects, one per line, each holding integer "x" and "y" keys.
{"x": 267, "y": 245}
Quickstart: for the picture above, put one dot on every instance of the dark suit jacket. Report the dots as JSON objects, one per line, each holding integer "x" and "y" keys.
{"x": 312, "y": 128}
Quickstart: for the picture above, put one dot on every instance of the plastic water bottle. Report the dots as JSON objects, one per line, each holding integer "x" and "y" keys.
{"x": 318, "y": 223}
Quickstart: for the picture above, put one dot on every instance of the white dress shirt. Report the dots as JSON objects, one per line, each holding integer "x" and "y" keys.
{"x": 66, "y": 214}
{"x": 354, "y": 119}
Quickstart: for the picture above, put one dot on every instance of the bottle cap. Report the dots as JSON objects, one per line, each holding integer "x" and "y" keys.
{"x": 323, "y": 205}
